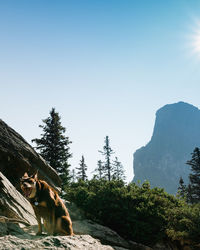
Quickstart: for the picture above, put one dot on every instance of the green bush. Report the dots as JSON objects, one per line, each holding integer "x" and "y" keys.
{"x": 137, "y": 213}
{"x": 184, "y": 223}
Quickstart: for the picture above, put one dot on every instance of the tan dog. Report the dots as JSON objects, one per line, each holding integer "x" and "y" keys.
{"x": 47, "y": 205}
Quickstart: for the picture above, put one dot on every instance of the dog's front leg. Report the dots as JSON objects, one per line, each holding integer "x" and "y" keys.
{"x": 53, "y": 222}
{"x": 39, "y": 232}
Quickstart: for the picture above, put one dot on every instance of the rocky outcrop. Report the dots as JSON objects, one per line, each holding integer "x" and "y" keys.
{"x": 17, "y": 157}
{"x": 104, "y": 234}
{"x": 52, "y": 242}
{"x": 163, "y": 160}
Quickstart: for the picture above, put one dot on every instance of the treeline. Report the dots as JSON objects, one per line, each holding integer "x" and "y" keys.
{"x": 54, "y": 147}
{"x": 135, "y": 211}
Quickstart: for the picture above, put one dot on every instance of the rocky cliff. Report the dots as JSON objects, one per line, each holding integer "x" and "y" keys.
{"x": 163, "y": 160}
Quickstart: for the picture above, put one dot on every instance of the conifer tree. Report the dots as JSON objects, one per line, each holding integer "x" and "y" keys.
{"x": 194, "y": 177}
{"x": 81, "y": 174}
{"x": 73, "y": 175}
{"x": 182, "y": 189}
{"x": 99, "y": 170}
{"x": 189, "y": 196}
{"x": 118, "y": 170}
{"x": 54, "y": 146}
{"x": 107, "y": 152}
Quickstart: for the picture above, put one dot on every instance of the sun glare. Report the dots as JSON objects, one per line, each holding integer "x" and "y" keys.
{"x": 195, "y": 40}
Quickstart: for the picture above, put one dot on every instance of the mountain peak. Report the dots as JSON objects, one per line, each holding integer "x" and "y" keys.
{"x": 163, "y": 160}
{"x": 179, "y": 106}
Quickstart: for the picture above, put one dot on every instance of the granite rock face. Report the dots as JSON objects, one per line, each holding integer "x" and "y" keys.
{"x": 52, "y": 242}
{"x": 17, "y": 157}
{"x": 163, "y": 160}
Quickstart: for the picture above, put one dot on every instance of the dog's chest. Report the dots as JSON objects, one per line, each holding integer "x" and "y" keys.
{"x": 41, "y": 208}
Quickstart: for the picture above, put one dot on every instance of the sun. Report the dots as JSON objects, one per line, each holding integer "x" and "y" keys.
{"x": 195, "y": 39}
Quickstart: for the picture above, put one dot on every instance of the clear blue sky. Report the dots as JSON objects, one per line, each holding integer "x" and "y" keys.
{"x": 106, "y": 66}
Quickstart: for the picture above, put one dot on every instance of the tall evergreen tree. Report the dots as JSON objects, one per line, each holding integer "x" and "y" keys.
{"x": 73, "y": 175}
{"x": 118, "y": 170}
{"x": 81, "y": 174}
{"x": 107, "y": 152}
{"x": 189, "y": 196}
{"x": 182, "y": 189}
{"x": 194, "y": 177}
{"x": 54, "y": 146}
{"x": 99, "y": 171}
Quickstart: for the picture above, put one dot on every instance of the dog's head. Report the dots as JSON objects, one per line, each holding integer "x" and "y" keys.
{"x": 28, "y": 185}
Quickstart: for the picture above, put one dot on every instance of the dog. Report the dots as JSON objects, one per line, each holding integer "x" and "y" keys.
{"x": 47, "y": 205}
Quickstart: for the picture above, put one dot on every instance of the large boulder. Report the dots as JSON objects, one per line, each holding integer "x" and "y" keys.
{"x": 17, "y": 157}
{"x": 104, "y": 234}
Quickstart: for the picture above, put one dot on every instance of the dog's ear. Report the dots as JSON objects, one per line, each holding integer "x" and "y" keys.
{"x": 35, "y": 176}
{"x": 25, "y": 175}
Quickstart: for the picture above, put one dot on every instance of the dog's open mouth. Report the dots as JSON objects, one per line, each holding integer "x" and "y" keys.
{"x": 27, "y": 191}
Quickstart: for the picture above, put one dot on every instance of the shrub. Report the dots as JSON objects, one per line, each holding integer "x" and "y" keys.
{"x": 137, "y": 213}
{"x": 184, "y": 223}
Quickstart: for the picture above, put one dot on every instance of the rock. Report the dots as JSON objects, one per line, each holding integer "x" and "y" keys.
{"x": 13, "y": 204}
{"x": 82, "y": 242}
{"x": 10, "y": 228}
{"x": 104, "y": 234}
{"x": 18, "y": 157}
{"x": 163, "y": 160}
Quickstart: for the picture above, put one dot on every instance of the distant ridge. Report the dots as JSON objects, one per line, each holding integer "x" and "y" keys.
{"x": 163, "y": 160}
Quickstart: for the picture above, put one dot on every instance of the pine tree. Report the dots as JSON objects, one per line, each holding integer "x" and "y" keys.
{"x": 182, "y": 189}
{"x": 99, "y": 171}
{"x": 107, "y": 152}
{"x": 189, "y": 196}
{"x": 73, "y": 175}
{"x": 194, "y": 177}
{"x": 118, "y": 170}
{"x": 54, "y": 146}
{"x": 81, "y": 174}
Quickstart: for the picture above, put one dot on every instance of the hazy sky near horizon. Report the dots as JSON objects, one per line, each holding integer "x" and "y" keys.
{"x": 106, "y": 66}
